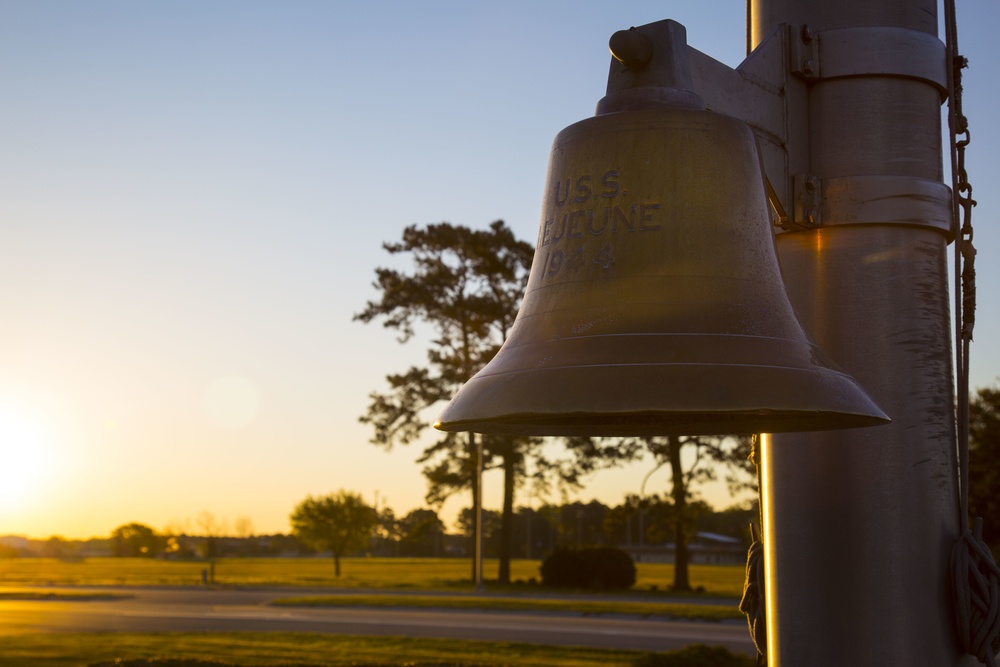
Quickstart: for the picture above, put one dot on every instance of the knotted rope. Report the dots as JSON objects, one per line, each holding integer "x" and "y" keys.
{"x": 752, "y": 602}
{"x": 976, "y": 596}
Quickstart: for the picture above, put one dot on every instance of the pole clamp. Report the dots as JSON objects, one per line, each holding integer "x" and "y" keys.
{"x": 871, "y": 51}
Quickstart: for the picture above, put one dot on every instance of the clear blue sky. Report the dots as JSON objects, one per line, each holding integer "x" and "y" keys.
{"x": 193, "y": 197}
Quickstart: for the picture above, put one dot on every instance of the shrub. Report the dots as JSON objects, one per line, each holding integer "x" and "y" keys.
{"x": 602, "y": 567}
{"x": 561, "y": 569}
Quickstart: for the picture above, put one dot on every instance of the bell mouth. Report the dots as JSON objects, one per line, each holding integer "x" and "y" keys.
{"x": 696, "y": 394}
{"x": 651, "y": 424}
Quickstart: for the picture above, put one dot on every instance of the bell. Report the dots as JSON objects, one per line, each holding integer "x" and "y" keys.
{"x": 655, "y": 303}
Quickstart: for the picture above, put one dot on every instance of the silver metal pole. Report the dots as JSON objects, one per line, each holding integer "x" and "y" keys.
{"x": 858, "y": 524}
{"x": 478, "y": 583}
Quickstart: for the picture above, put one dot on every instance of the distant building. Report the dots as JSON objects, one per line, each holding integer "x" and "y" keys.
{"x": 704, "y": 549}
{"x": 12, "y": 546}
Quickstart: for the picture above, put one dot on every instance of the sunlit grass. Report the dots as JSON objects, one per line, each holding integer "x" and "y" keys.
{"x": 61, "y": 596}
{"x": 713, "y": 580}
{"x": 584, "y": 606}
{"x": 383, "y": 573}
{"x": 252, "y": 648}
{"x": 98, "y": 572}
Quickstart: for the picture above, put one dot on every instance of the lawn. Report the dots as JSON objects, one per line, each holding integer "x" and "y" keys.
{"x": 412, "y": 579}
{"x": 585, "y": 606}
{"x": 256, "y": 648}
{"x": 383, "y": 573}
{"x": 65, "y": 650}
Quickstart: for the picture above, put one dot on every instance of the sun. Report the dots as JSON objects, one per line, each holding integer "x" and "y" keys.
{"x": 23, "y": 459}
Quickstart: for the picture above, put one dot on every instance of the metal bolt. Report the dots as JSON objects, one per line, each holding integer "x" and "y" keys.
{"x": 631, "y": 48}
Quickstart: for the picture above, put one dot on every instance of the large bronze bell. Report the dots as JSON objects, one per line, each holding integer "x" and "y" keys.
{"x": 655, "y": 303}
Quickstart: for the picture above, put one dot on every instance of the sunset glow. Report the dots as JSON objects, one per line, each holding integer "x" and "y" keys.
{"x": 195, "y": 198}
{"x": 23, "y": 460}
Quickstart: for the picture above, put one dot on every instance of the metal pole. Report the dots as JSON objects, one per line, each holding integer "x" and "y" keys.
{"x": 858, "y": 524}
{"x": 479, "y": 514}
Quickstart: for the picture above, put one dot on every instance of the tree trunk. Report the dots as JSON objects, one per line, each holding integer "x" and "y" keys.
{"x": 336, "y": 565}
{"x": 678, "y": 491}
{"x": 507, "y": 518}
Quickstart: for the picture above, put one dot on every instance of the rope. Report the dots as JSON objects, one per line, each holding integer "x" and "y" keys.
{"x": 975, "y": 576}
{"x": 977, "y": 596}
{"x": 965, "y": 299}
{"x": 752, "y": 603}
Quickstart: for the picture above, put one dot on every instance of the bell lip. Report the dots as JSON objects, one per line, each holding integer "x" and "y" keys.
{"x": 657, "y": 400}
{"x": 661, "y": 423}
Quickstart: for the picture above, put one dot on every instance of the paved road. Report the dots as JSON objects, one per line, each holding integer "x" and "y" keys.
{"x": 149, "y": 610}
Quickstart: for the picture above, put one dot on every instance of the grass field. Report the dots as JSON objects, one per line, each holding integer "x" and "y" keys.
{"x": 66, "y": 650}
{"x": 584, "y": 606}
{"x": 448, "y": 577}
{"x": 383, "y": 573}
{"x": 255, "y": 648}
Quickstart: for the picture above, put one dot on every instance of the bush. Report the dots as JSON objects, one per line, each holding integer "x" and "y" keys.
{"x": 602, "y": 567}
{"x": 696, "y": 655}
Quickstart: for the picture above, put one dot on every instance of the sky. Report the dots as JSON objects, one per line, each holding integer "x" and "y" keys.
{"x": 193, "y": 201}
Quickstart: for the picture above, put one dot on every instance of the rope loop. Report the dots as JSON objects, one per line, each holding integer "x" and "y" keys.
{"x": 976, "y": 596}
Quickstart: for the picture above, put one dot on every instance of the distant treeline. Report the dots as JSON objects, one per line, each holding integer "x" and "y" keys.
{"x": 640, "y": 526}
